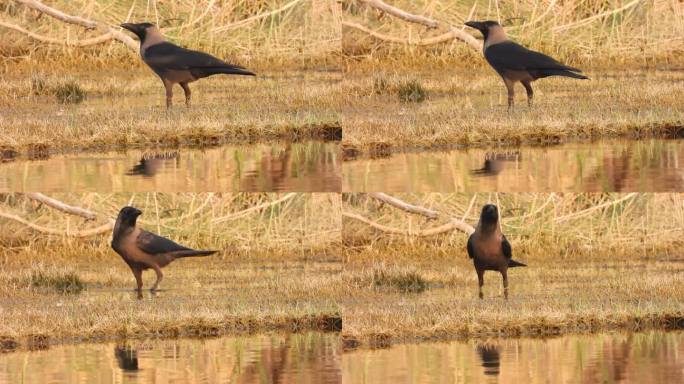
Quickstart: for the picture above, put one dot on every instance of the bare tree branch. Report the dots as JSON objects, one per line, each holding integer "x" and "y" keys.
{"x": 393, "y": 201}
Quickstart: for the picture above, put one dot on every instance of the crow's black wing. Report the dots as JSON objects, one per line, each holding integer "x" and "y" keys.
{"x": 506, "y": 247}
{"x": 170, "y": 56}
{"x": 154, "y": 244}
{"x": 471, "y": 248}
{"x": 512, "y": 56}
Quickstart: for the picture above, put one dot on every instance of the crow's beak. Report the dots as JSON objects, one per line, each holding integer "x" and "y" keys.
{"x": 474, "y": 24}
{"x": 127, "y": 26}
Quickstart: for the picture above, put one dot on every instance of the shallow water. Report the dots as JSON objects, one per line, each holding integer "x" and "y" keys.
{"x": 609, "y": 166}
{"x": 303, "y": 167}
{"x": 278, "y": 358}
{"x": 650, "y": 357}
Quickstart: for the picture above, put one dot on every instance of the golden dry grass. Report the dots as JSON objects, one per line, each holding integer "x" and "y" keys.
{"x": 469, "y": 109}
{"x": 588, "y": 270}
{"x": 277, "y": 34}
{"x": 125, "y": 109}
{"x": 593, "y": 32}
{"x": 278, "y": 269}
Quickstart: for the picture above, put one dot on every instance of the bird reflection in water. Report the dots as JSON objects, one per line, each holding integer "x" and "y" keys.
{"x": 494, "y": 163}
{"x": 126, "y": 358}
{"x": 151, "y": 163}
{"x": 490, "y": 358}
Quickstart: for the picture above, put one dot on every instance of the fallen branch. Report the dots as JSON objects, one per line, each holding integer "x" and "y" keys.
{"x": 49, "y": 40}
{"x": 393, "y": 201}
{"x": 396, "y": 12}
{"x": 443, "y": 38}
{"x": 110, "y": 33}
{"x": 453, "y": 224}
{"x": 247, "y": 211}
{"x": 453, "y": 34}
{"x": 50, "y": 231}
{"x": 60, "y": 206}
{"x": 59, "y": 15}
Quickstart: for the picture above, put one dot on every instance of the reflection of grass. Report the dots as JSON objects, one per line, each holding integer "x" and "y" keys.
{"x": 277, "y": 269}
{"x": 126, "y": 110}
{"x": 615, "y": 267}
{"x": 469, "y": 109}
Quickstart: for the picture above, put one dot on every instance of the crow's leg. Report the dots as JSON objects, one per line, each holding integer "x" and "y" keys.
{"x": 169, "y": 93}
{"x": 530, "y": 93}
{"x": 480, "y": 282}
{"x": 186, "y": 89}
{"x": 511, "y": 92}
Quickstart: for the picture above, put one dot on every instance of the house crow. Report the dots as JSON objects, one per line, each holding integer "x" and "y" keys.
{"x": 489, "y": 249}
{"x": 142, "y": 250}
{"x": 177, "y": 65}
{"x": 514, "y": 62}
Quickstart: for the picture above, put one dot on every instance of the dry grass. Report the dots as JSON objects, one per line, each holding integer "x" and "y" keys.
{"x": 278, "y": 269}
{"x": 469, "y": 109}
{"x": 593, "y": 32}
{"x": 306, "y": 33}
{"x": 127, "y": 109}
{"x": 616, "y": 267}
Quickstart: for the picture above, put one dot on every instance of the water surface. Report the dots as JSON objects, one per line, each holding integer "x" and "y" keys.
{"x": 650, "y": 357}
{"x": 653, "y": 165}
{"x": 302, "y": 167}
{"x": 278, "y": 358}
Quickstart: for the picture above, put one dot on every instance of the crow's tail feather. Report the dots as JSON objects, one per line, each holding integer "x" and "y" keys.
{"x": 512, "y": 263}
{"x": 193, "y": 253}
{"x": 228, "y": 70}
{"x": 562, "y": 72}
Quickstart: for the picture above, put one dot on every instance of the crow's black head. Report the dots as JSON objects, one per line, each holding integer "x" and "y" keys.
{"x": 483, "y": 26}
{"x": 489, "y": 215}
{"x": 128, "y": 216}
{"x": 140, "y": 29}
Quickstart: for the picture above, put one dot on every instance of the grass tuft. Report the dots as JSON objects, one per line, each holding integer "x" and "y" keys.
{"x": 404, "y": 280}
{"x": 69, "y": 93}
{"x": 66, "y": 282}
{"x": 411, "y": 91}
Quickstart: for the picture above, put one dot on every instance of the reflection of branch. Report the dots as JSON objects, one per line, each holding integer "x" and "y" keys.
{"x": 430, "y": 23}
{"x": 404, "y": 205}
{"x": 259, "y": 207}
{"x": 111, "y": 33}
{"x": 453, "y": 224}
